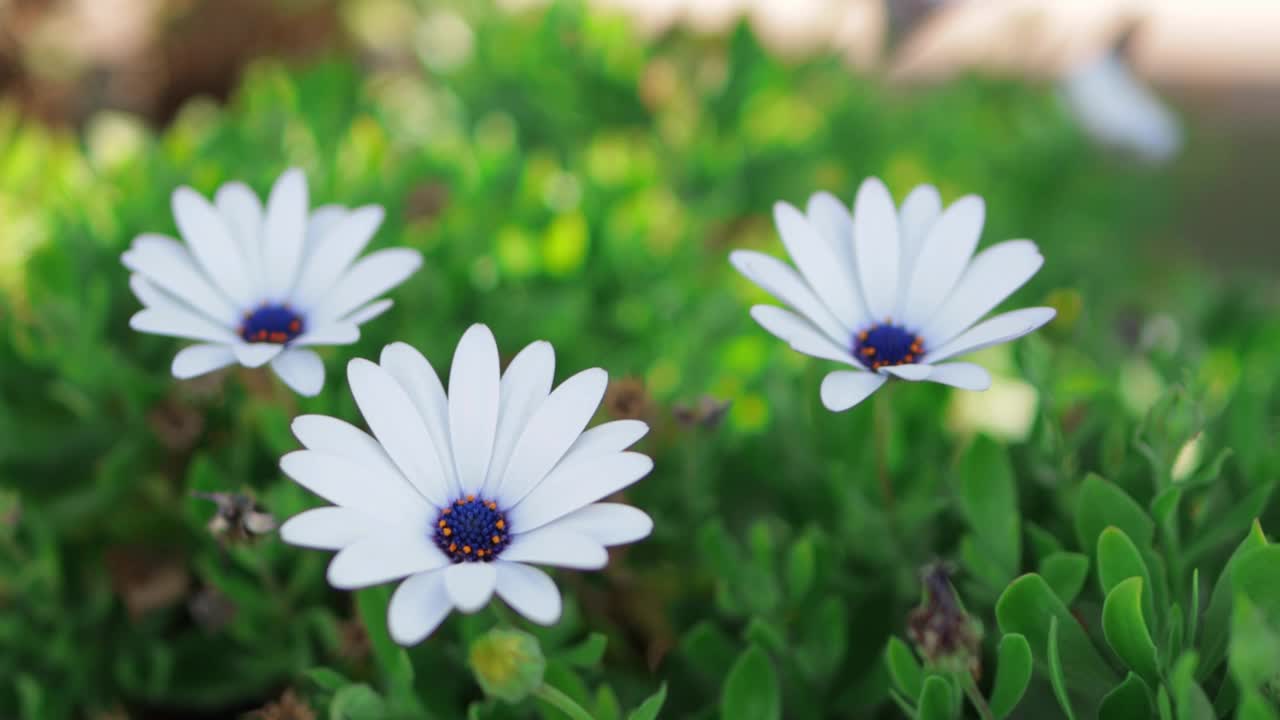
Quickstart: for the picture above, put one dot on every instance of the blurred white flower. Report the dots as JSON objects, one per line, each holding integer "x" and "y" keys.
{"x": 463, "y": 492}
{"x": 1114, "y": 107}
{"x": 889, "y": 292}
{"x": 258, "y": 286}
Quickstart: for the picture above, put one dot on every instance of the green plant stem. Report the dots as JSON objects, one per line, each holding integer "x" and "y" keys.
{"x": 975, "y": 697}
{"x": 882, "y": 418}
{"x": 562, "y": 702}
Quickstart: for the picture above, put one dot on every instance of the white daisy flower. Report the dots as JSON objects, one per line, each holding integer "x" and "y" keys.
{"x": 891, "y": 292}
{"x": 462, "y": 493}
{"x": 258, "y": 286}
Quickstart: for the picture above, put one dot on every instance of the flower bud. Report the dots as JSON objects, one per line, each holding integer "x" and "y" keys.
{"x": 508, "y": 664}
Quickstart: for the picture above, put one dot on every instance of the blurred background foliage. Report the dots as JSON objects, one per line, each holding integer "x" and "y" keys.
{"x": 569, "y": 182}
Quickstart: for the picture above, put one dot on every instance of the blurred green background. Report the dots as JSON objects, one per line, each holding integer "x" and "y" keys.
{"x": 570, "y": 180}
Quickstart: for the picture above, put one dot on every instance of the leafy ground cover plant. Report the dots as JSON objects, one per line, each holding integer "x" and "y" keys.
{"x": 573, "y": 184}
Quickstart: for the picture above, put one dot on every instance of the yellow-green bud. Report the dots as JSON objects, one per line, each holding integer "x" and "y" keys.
{"x": 508, "y": 664}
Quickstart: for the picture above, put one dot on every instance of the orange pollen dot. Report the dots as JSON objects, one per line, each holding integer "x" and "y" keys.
{"x": 496, "y": 539}
{"x": 868, "y": 351}
{"x": 446, "y": 511}
{"x": 443, "y": 523}
{"x": 471, "y": 498}
{"x": 862, "y": 336}
{"x": 453, "y": 547}
{"x": 447, "y": 532}
{"x": 466, "y": 549}
{"x": 501, "y": 524}
{"x": 493, "y": 505}
{"x": 479, "y": 553}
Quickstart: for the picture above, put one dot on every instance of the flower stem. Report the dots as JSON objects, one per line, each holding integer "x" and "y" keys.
{"x": 975, "y": 697}
{"x": 562, "y": 702}
{"x": 883, "y": 421}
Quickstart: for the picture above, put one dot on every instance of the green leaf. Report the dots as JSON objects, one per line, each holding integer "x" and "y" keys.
{"x": 1043, "y": 542}
{"x": 1225, "y": 526}
{"x": 801, "y": 567}
{"x": 751, "y": 690}
{"x": 1013, "y": 674}
{"x": 392, "y": 659}
{"x": 937, "y": 700}
{"x": 649, "y": 709}
{"x": 1189, "y": 701}
{"x": 989, "y": 501}
{"x": 904, "y": 669}
{"x": 1065, "y": 572}
{"x": 1217, "y": 617}
{"x": 1028, "y": 607}
{"x": 357, "y": 702}
{"x": 1131, "y": 700}
{"x": 588, "y": 653}
{"x": 1126, "y": 631}
{"x": 1119, "y": 560}
{"x": 1056, "y": 677}
{"x": 824, "y": 638}
{"x": 1102, "y": 504}
{"x": 1257, "y": 576}
{"x": 325, "y": 679}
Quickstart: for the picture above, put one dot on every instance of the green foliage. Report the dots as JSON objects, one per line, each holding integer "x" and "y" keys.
{"x": 575, "y": 184}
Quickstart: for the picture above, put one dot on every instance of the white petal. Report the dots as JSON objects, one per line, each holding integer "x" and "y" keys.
{"x": 876, "y": 247}
{"x": 414, "y": 374}
{"x": 529, "y": 591}
{"x": 611, "y": 437}
{"x": 819, "y": 265}
{"x": 368, "y": 312}
{"x": 333, "y": 254}
{"x": 557, "y": 546}
{"x": 364, "y": 487}
{"x": 843, "y": 389}
{"x": 550, "y": 432}
{"x": 284, "y": 230}
{"x": 470, "y": 584}
{"x": 330, "y": 333}
{"x": 992, "y": 276}
{"x": 833, "y": 222}
{"x": 993, "y": 331}
{"x": 322, "y": 219}
{"x": 255, "y": 354}
{"x": 473, "y": 405}
{"x": 418, "y": 607}
{"x": 525, "y": 386}
{"x": 200, "y": 359}
{"x": 576, "y": 485}
{"x": 389, "y": 555}
{"x": 783, "y": 282}
{"x": 965, "y": 376}
{"x": 943, "y": 259}
{"x": 335, "y": 437}
{"x": 175, "y": 322}
{"x": 609, "y": 523}
{"x": 301, "y": 370}
{"x": 150, "y": 295}
{"x": 920, "y": 210}
{"x": 212, "y": 245}
{"x": 399, "y": 428}
{"x": 800, "y": 335}
{"x": 328, "y": 528}
{"x": 911, "y": 372}
{"x": 242, "y": 212}
{"x": 371, "y": 276}
{"x": 168, "y": 265}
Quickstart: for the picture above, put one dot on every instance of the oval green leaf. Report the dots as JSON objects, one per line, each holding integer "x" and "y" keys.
{"x": 936, "y": 700}
{"x": 1013, "y": 674}
{"x": 904, "y": 669}
{"x": 751, "y": 690}
{"x": 1131, "y": 700}
{"x": 1126, "y": 630}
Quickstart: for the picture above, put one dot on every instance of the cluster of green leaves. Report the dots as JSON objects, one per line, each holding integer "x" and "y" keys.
{"x": 575, "y": 184}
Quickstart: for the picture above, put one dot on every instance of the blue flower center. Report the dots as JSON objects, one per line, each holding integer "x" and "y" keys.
{"x": 272, "y": 324}
{"x": 472, "y": 530}
{"x": 887, "y": 344}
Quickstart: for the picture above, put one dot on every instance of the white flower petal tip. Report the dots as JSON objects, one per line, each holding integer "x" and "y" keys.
{"x": 461, "y": 491}
{"x": 261, "y": 280}
{"x": 843, "y": 389}
{"x": 891, "y": 291}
